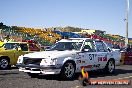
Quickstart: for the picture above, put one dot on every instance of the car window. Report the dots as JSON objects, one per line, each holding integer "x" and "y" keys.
{"x": 10, "y": 45}
{"x": 24, "y": 47}
{"x": 61, "y": 46}
{"x": 89, "y": 45}
{"x": 101, "y": 47}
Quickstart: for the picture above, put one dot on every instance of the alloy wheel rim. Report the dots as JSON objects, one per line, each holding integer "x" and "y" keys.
{"x": 69, "y": 70}
{"x": 3, "y": 63}
{"x": 111, "y": 66}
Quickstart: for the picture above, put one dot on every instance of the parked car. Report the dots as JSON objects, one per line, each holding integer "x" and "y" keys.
{"x": 68, "y": 56}
{"x": 1, "y": 43}
{"x": 10, "y": 51}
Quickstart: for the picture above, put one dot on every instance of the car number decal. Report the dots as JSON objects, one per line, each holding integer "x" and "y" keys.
{"x": 102, "y": 59}
{"x": 80, "y": 61}
{"x": 92, "y": 56}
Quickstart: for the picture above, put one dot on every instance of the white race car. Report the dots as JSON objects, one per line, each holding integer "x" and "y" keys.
{"x": 68, "y": 56}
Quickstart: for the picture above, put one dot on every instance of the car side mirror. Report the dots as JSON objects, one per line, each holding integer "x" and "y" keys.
{"x": 109, "y": 49}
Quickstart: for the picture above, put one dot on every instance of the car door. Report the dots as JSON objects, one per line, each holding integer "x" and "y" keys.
{"x": 88, "y": 55}
{"x": 102, "y": 52}
{"x": 10, "y": 52}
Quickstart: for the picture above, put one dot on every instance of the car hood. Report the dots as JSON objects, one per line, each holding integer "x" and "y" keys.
{"x": 50, "y": 54}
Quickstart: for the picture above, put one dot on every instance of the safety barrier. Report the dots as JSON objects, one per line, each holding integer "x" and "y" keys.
{"x": 126, "y": 58}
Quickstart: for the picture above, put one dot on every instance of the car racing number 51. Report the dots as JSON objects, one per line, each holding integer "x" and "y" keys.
{"x": 91, "y": 56}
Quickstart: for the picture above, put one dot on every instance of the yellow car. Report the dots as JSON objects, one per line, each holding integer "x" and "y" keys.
{"x": 10, "y": 51}
{"x": 1, "y": 43}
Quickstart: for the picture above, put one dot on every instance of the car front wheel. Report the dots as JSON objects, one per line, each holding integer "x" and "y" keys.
{"x": 4, "y": 63}
{"x": 68, "y": 70}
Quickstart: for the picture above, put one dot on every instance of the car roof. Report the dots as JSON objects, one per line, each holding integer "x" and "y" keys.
{"x": 78, "y": 39}
{"x": 86, "y": 39}
{"x": 18, "y": 42}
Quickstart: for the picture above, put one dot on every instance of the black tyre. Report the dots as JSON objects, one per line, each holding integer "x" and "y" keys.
{"x": 68, "y": 71}
{"x": 4, "y": 63}
{"x": 110, "y": 66}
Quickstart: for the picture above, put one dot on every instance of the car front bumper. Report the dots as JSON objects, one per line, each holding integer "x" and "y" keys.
{"x": 51, "y": 69}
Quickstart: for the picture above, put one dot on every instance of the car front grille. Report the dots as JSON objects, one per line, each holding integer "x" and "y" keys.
{"x": 33, "y": 69}
{"x": 33, "y": 61}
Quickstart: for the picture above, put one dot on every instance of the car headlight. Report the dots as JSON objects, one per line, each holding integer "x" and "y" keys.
{"x": 54, "y": 60}
{"x": 48, "y": 61}
{"x": 20, "y": 59}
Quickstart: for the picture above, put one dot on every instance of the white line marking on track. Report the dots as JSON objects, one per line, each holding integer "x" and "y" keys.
{"x": 124, "y": 77}
{"x": 76, "y": 87}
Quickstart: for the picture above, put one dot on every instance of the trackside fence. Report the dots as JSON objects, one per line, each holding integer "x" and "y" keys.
{"x": 126, "y": 58}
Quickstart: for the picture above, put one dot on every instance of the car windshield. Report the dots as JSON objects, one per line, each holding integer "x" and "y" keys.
{"x": 61, "y": 46}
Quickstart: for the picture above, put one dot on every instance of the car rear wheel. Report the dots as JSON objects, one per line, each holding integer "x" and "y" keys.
{"x": 110, "y": 67}
{"x": 4, "y": 63}
{"x": 68, "y": 70}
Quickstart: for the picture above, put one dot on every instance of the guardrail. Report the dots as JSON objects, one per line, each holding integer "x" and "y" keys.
{"x": 126, "y": 58}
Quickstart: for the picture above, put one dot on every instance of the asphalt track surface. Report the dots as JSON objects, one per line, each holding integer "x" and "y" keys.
{"x": 14, "y": 79}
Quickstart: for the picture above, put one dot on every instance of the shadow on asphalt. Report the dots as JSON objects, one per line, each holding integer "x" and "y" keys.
{"x": 11, "y": 68}
{"x": 8, "y": 73}
{"x": 92, "y": 74}
{"x": 96, "y": 74}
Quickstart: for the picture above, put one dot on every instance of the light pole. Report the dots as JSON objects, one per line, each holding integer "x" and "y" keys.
{"x": 126, "y": 19}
